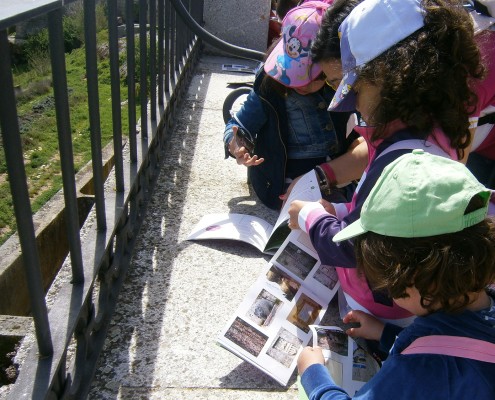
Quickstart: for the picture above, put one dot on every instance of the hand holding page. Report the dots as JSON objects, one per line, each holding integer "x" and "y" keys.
{"x": 350, "y": 366}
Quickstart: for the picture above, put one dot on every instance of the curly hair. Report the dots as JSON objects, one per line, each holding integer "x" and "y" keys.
{"x": 327, "y": 42}
{"x": 444, "y": 268}
{"x": 425, "y": 78}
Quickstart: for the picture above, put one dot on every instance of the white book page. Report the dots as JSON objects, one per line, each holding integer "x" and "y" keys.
{"x": 306, "y": 188}
{"x": 271, "y": 325}
{"x": 246, "y": 228}
{"x": 349, "y": 365}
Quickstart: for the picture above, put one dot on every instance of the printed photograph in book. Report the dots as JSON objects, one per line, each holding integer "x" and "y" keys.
{"x": 264, "y": 308}
{"x": 271, "y": 325}
{"x": 283, "y": 282}
{"x": 285, "y": 347}
{"x": 296, "y": 260}
{"x": 247, "y": 337}
{"x": 304, "y": 313}
{"x": 349, "y": 364}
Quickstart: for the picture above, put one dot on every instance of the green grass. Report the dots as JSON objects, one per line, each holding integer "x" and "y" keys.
{"x": 36, "y": 111}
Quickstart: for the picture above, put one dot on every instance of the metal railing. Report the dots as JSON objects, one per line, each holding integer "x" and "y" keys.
{"x": 69, "y": 337}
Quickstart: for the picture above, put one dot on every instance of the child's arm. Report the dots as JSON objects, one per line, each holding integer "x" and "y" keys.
{"x": 315, "y": 378}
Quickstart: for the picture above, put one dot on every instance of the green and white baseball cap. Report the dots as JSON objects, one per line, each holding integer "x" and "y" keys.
{"x": 419, "y": 195}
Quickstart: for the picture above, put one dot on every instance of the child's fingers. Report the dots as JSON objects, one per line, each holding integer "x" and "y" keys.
{"x": 351, "y": 316}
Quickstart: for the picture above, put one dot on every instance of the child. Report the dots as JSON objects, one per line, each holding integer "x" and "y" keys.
{"x": 424, "y": 237}
{"x": 481, "y": 161}
{"x": 286, "y": 114}
{"x": 406, "y": 64}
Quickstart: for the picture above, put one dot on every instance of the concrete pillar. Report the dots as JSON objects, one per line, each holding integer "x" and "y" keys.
{"x": 240, "y": 22}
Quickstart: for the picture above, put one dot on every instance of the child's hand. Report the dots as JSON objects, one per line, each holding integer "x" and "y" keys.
{"x": 329, "y": 208}
{"x": 294, "y": 209}
{"x": 241, "y": 154}
{"x": 309, "y": 356}
{"x": 286, "y": 195}
{"x": 371, "y": 328}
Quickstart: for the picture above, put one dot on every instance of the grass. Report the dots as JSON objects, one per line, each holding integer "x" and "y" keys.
{"x": 37, "y": 123}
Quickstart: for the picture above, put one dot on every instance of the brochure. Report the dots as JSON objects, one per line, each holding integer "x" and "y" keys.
{"x": 272, "y": 324}
{"x": 254, "y": 230}
{"x": 349, "y": 365}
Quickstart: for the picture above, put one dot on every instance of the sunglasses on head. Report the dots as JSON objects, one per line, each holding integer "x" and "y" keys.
{"x": 334, "y": 83}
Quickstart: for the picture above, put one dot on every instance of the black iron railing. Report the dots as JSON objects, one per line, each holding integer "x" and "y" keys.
{"x": 69, "y": 334}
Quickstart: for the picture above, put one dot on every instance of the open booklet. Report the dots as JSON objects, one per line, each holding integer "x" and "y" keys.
{"x": 272, "y": 324}
{"x": 254, "y": 230}
{"x": 349, "y": 365}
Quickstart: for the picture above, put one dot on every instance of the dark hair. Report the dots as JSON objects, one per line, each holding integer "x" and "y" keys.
{"x": 444, "y": 268}
{"x": 284, "y": 6}
{"x": 327, "y": 43}
{"x": 425, "y": 78}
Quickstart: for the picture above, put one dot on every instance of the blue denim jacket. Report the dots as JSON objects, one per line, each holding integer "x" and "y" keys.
{"x": 310, "y": 133}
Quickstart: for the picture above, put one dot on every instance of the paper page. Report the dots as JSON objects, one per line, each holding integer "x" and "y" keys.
{"x": 246, "y": 228}
{"x": 271, "y": 325}
{"x": 307, "y": 189}
{"x": 349, "y": 365}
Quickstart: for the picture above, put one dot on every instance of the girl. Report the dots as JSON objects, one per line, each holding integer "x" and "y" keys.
{"x": 285, "y": 116}
{"x": 424, "y": 237}
{"x": 406, "y": 66}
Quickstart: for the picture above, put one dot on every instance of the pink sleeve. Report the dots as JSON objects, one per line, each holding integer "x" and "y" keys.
{"x": 485, "y": 89}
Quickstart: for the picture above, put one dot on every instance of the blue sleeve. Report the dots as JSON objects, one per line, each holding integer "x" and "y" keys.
{"x": 323, "y": 230}
{"x": 318, "y": 384}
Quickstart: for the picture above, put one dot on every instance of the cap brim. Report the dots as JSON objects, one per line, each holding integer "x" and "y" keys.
{"x": 271, "y": 60}
{"x": 481, "y": 22}
{"x": 345, "y": 98}
{"x": 350, "y": 231}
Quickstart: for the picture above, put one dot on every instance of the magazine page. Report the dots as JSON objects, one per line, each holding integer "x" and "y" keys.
{"x": 254, "y": 230}
{"x": 307, "y": 189}
{"x": 271, "y": 325}
{"x": 349, "y": 365}
{"x": 246, "y": 228}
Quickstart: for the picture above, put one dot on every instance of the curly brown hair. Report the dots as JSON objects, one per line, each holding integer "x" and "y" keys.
{"x": 425, "y": 78}
{"x": 444, "y": 268}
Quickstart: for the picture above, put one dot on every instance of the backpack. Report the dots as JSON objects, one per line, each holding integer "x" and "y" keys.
{"x": 456, "y": 346}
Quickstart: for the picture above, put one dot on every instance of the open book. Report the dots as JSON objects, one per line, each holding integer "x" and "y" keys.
{"x": 254, "y": 230}
{"x": 272, "y": 324}
{"x": 349, "y": 365}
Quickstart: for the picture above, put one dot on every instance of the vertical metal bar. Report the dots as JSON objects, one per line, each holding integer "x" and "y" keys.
{"x": 189, "y": 33}
{"x": 168, "y": 11}
{"x": 161, "y": 27}
{"x": 115, "y": 90}
{"x": 152, "y": 59}
{"x": 180, "y": 43}
{"x": 131, "y": 86}
{"x": 22, "y": 206}
{"x": 143, "y": 92}
{"x": 173, "y": 54}
{"x": 59, "y": 76}
{"x": 94, "y": 110}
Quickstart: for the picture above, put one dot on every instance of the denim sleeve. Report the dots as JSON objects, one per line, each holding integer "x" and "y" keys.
{"x": 251, "y": 116}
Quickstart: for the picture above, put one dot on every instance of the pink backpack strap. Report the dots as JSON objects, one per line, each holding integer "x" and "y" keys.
{"x": 456, "y": 346}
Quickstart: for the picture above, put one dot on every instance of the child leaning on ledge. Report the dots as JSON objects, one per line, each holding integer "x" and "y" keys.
{"x": 423, "y": 236}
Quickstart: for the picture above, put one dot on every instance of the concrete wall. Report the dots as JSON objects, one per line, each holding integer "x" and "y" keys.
{"x": 242, "y": 23}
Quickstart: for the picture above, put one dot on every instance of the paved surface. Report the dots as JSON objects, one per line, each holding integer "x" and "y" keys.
{"x": 178, "y": 294}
